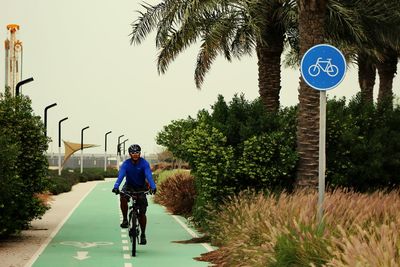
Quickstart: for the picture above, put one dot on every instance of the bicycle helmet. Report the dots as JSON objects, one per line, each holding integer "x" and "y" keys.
{"x": 135, "y": 148}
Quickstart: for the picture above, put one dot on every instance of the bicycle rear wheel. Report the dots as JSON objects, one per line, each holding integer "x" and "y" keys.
{"x": 132, "y": 231}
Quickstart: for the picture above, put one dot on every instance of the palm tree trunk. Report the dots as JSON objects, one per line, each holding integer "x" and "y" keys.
{"x": 269, "y": 70}
{"x": 366, "y": 78}
{"x": 387, "y": 70}
{"x": 311, "y": 30}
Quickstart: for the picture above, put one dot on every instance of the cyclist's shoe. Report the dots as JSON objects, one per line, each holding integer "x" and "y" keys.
{"x": 143, "y": 240}
{"x": 124, "y": 224}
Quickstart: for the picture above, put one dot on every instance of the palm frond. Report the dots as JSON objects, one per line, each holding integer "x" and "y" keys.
{"x": 205, "y": 58}
{"x": 146, "y": 22}
{"x": 344, "y": 23}
{"x": 174, "y": 43}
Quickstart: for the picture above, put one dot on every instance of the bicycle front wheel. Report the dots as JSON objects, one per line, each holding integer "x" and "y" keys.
{"x": 132, "y": 231}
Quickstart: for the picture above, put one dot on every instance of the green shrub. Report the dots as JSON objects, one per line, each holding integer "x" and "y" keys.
{"x": 111, "y": 173}
{"x": 212, "y": 165}
{"x": 238, "y": 145}
{"x": 161, "y": 175}
{"x": 268, "y": 161}
{"x": 363, "y": 144}
{"x": 23, "y": 136}
{"x": 59, "y": 184}
{"x": 10, "y": 184}
{"x": 69, "y": 177}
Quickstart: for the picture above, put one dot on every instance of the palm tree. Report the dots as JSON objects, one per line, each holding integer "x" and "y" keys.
{"x": 366, "y": 77}
{"x": 381, "y": 21}
{"x": 278, "y": 26}
{"x": 312, "y": 31}
{"x": 387, "y": 70}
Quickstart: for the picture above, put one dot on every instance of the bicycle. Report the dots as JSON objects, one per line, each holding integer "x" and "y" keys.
{"x": 329, "y": 68}
{"x": 133, "y": 221}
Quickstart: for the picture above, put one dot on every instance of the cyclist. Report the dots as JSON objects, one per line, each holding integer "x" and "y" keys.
{"x": 138, "y": 173}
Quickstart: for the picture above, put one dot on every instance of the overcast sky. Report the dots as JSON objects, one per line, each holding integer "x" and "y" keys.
{"x": 80, "y": 57}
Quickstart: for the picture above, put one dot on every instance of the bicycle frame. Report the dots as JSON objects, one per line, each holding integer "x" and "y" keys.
{"x": 327, "y": 62}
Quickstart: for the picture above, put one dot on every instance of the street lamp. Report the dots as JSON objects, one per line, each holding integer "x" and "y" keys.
{"x": 45, "y": 117}
{"x": 105, "y": 150}
{"x": 20, "y": 84}
{"x": 82, "y": 147}
{"x": 123, "y": 143}
{"x": 59, "y": 145}
{"x": 119, "y": 143}
{"x": 119, "y": 149}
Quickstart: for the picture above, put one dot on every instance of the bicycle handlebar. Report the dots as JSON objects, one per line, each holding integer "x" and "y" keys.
{"x": 130, "y": 193}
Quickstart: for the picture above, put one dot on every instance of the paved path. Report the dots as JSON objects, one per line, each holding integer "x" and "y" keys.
{"x": 91, "y": 237}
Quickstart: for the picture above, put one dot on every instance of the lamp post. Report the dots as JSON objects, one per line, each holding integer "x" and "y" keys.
{"x": 82, "y": 147}
{"x": 59, "y": 145}
{"x": 19, "y": 84}
{"x": 119, "y": 142}
{"x": 123, "y": 143}
{"x": 45, "y": 117}
{"x": 119, "y": 149}
{"x": 105, "y": 150}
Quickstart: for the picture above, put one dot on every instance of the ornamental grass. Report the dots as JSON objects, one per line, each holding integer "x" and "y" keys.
{"x": 282, "y": 230}
{"x": 177, "y": 193}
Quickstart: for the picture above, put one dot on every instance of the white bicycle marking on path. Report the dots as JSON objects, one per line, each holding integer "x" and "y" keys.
{"x": 85, "y": 244}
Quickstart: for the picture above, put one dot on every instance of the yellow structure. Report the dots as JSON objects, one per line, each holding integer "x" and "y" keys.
{"x": 71, "y": 148}
{"x": 13, "y": 58}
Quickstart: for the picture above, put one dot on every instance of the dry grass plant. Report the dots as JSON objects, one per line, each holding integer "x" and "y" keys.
{"x": 358, "y": 230}
{"x": 368, "y": 229}
{"x": 177, "y": 193}
{"x": 45, "y": 198}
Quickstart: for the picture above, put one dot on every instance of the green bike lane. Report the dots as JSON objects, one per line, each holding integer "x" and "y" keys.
{"x": 91, "y": 236}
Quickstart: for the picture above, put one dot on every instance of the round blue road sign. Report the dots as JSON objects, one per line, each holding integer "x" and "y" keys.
{"x": 323, "y": 67}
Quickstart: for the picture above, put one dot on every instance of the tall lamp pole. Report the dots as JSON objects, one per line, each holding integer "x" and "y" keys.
{"x": 59, "y": 145}
{"x": 119, "y": 150}
{"x": 105, "y": 150}
{"x": 82, "y": 147}
{"x": 119, "y": 143}
{"x": 19, "y": 84}
{"x": 123, "y": 143}
{"x": 45, "y": 117}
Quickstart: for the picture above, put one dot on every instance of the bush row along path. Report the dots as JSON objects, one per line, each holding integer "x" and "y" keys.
{"x": 90, "y": 236}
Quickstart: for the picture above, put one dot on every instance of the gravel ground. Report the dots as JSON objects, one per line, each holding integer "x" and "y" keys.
{"x": 24, "y": 249}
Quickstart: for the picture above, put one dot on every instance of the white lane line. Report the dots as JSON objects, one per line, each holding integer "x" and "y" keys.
{"x": 192, "y": 233}
{"x": 124, "y": 234}
{"x": 55, "y": 231}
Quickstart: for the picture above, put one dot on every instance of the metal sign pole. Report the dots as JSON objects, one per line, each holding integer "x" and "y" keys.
{"x": 322, "y": 154}
{"x": 322, "y": 67}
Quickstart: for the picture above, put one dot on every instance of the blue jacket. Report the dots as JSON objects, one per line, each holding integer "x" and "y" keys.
{"x": 136, "y": 174}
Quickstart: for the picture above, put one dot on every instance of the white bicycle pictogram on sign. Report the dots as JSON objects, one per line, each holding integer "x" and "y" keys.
{"x": 330, "y": 69}
{"x": 85, "y": 244}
